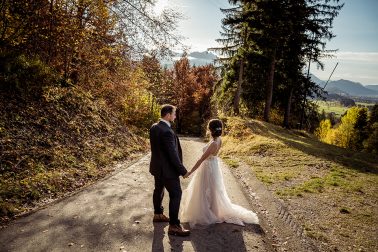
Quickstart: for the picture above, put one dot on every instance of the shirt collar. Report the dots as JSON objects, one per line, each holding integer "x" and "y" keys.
{"x": 169, "y": 124}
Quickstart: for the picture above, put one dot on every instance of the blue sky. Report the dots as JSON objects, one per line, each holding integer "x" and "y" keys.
{"x": 356, "y": 30}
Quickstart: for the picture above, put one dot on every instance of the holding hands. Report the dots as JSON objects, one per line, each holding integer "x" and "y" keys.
{"x": 213, "y": 148}
{"x": 187, "y": 174}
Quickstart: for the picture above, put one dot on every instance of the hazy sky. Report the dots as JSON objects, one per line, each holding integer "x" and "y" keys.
{"x": 356, "y": 30}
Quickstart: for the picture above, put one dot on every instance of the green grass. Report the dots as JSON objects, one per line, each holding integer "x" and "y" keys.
{"x": 338, "y": 186}
{"x": 231, "y": 162}
{"x": 345, "y": 179}
{"x": 330, "y": 107}
{"x": 365, "y": 104}
{"x": 336, "y": 107}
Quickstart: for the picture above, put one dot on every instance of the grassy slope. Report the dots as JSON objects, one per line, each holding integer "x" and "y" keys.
{"x": 332, "y": 191}
{"x": 56, "y": 144}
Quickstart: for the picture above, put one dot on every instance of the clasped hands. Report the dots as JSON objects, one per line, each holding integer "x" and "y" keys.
{"x": 187, "y": 174}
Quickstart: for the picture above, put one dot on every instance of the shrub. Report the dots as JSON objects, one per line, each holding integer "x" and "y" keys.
{"x": 371, "y": 143}
{"x": 350, "y": 133}
{"x": 24, "y": 75}
{"x": 352, "y": 130}
{"x": 140, "y": 107}
{"x": 323, "y": 130}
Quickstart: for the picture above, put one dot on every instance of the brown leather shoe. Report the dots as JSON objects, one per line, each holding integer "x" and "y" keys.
{"x": 178, "y": 230}
{"x": 160, "y": 218}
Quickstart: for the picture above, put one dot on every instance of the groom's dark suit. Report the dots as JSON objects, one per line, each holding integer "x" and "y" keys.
{"x": 166, "y": 166}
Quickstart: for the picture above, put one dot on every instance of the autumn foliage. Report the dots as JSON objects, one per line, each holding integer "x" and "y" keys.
{"x": 356, "y": 131}
{"x": 73, "y": 96}
{"x": 78, "y": 92}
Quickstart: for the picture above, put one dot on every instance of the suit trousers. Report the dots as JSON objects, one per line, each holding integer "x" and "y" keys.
{"x": 173, "y": 187}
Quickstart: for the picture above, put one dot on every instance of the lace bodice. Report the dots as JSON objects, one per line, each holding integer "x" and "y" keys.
{"x": 207, "y": 146}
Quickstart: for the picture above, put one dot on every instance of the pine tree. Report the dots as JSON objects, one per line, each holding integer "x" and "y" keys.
{"x": 234, "y": 38}
{"x": 268, "y": 44}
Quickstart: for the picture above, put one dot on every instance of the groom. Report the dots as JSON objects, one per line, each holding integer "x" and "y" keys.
{"x": 166, "y": 167}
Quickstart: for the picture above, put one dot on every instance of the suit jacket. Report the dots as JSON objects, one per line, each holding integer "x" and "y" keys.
{"x": 166, "y": 153}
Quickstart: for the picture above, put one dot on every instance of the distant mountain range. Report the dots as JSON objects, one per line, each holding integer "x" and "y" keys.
{"x": 347, "y": 87}
{"x": 340, "y": 87}
{"x": 351, "y": 88}
{"x": 195, "y": 59}
{"x": 372, "y": 87}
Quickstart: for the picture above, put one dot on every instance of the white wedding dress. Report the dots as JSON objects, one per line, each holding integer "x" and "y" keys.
{"x": 205, "y": 200}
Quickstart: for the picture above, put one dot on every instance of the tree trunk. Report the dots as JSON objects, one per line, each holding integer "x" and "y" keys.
{"x": 239, "y": 89}
{"x": 304, "y": 98}
{"x": 178, "y": 121}
{"x": 49, "y": 53}
{"x": 269, "y": 86}
{"x": 302, "y": 113}
{"x": 287, "y": 109}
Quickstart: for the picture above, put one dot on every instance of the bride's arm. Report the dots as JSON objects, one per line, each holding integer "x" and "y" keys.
{"x": 210, "y": 150}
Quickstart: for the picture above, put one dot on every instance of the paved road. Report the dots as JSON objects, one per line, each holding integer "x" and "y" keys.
{"x": 115, "y": 214}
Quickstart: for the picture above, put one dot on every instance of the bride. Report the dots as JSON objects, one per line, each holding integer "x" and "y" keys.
{"x": 205, "y": 201}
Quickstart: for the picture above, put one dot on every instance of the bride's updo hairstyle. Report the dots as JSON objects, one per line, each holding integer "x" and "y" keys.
{"x": 215, "y": 127}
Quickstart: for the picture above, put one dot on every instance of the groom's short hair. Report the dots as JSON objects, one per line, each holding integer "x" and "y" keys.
{"x": 167, "y": 109}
